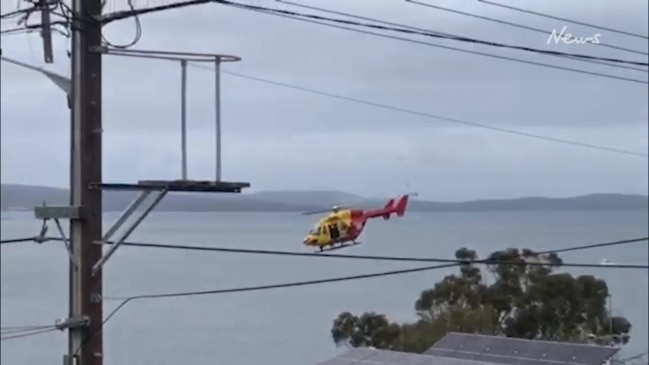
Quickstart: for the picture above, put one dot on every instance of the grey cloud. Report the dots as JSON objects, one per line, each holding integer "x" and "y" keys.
{"x": 273, "y": 132}
{"x": 459, "y": 164}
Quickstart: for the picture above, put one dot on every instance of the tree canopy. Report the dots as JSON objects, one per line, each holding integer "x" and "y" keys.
{"x": 522, "y": 300}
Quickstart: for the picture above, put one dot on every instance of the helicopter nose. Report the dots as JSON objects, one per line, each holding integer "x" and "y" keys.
{"x": 306, "y": 240}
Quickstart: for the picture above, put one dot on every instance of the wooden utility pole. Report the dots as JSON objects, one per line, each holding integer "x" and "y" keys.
{"x": 85, "y": 341}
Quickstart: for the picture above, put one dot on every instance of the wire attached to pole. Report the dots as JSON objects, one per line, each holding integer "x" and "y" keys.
{"x": 29, "y": 333}
{"x": 127, "y": 300}
{"x": 127, "y": 14}
{"x": 401, "y": 258}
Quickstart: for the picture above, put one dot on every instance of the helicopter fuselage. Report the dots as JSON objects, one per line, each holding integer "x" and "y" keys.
{"x": 342, "y": 226}
{"x": 339, "y": 227}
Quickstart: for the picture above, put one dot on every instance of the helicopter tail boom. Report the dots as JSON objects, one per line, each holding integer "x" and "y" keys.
{"x": 390, "y": 208}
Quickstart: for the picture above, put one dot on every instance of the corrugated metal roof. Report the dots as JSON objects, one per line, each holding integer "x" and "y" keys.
{"x": 517, "y": 351}
{"x": 365, "y": 356}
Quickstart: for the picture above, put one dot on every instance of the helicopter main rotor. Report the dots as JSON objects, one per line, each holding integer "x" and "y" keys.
{"x": 332, "y": 209}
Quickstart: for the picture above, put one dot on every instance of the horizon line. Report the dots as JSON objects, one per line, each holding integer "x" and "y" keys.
{"x": 377, "y": 197}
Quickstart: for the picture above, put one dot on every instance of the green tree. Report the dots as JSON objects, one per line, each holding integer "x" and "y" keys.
{"x": 526, "y": 301}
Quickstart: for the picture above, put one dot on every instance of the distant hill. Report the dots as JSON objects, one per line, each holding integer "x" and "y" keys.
{"x": 24, "y": 197}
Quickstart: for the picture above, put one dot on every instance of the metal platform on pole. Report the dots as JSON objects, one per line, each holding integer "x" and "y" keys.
{"x": 160, "y": 188}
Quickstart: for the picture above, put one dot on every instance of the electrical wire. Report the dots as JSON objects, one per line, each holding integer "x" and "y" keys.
{"x": 18, "y": 329}
{"x": 15, "y": 13}
{"x": 394, "y": 258}
{"x": 428, "y": 115}
{"x": 380, "y": 258}
{"x": 138, "y": 31}
{"x": 564, "y": 19}
{"x": 427, "y": 30}
{"x": 32, "y": 29}
{"x": 17, "y": 240}
{"x": 491, "y": 55}
{"x": 29, "y": 28}
{"x": 311, "y": 282}
{"x": 435, "y": 34}
{"x": 16, "y": 31}
{"x": 126, "y": 14}
{"x": 28, "y": 334}
{"x": 521, "y": 26}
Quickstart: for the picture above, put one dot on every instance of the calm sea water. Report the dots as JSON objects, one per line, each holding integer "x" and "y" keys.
{"x": 287, "y": 326}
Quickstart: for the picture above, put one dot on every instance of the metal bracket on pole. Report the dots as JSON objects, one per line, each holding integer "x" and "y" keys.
{"x": 126, "y": 214}
{"x": 45, "y": 213}
{"x": 66, "y": 323}
{"x": 46, "y": 31}
{"x": 66, "y": 242}
{"x": 127, "y": 232}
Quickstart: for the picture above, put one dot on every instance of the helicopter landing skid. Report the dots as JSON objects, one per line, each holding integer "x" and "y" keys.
{"x": 333, "y": 248}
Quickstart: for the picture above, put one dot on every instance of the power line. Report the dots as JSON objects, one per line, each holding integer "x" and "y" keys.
{"x": 267, "y": 287}
{"x": 21, "y": 329}
{"x": 398, "y": 258}
{"x": 317, "y": 282}
{"x": 33, "y": 326}
{"x": 422, "y": 29}
{"x": 17, "y": 31}
{"x": 428, "y": 115}
{"x": 491, "y": 55}
{"x": 575, "y": 70}
{"x": 125, "y": 14}
{"x": 521, "y": 26}
{"x": 24, "y": 13}
{"x": 25, "y": 29}
{"x": 564, "y": 19}
{"x": 28, "y": 334}
{"x": 383, "y": 258}
{"x": 138, "y": 32}
{"x": 19, "y": 240}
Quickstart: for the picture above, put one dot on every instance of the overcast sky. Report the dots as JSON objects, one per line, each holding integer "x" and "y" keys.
{"x": 281, "y": 138}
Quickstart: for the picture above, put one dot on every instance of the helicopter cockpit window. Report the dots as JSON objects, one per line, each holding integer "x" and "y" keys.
{"x": 315, "y": 231}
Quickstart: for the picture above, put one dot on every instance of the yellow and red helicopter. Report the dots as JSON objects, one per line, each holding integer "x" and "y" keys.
{"x": 342, "y": 227}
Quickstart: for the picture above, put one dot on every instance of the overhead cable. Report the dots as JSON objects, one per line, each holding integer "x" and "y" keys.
{"x": 18, "y": 329}
{"x": 16, "y": 31}
{"x": 28, "y": 333}
{"x": 138, "y": 31}
{"x": 564, "y": 19}
{"x": 14, "y": 13}
{"x": 16, "y": 240}
{"x": 428, "y": 115}
{"x": 422, "y": 29}
{"x": 521, "y": 26}
{"x": 126, "y": 14}
{"x": 312, "y": 282}
{"x": 27, "y": 239}
{"x": 491, "y": 55}
{"x": 387, "y": 258}
{"x": 397, "y": 258}
{"x": 33, "y": 28}
{"x": 428, "y": 33}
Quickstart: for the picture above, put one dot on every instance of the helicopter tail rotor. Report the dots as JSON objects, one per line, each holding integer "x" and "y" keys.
{"x": 399, "y": 209}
